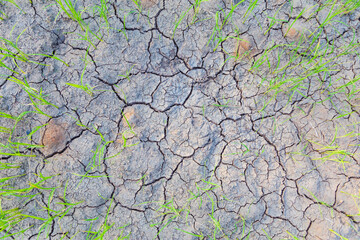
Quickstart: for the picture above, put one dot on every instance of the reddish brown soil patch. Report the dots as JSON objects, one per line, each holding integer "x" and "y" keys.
{"x": 242, "y": 48}
{"x": 54, "y": 137}
{"x": 149, "y": 3}
{"x": 292, "y": 33}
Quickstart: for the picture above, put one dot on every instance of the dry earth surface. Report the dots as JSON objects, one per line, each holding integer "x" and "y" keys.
{"x": 180, "y": 119}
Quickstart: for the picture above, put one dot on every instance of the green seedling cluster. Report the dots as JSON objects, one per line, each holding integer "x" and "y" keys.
{"x": 196, "y": 8}
{"x": 11, "y": 55}
{"x": 12, "y": 217}
{"x": 170, "y": 212}
{"x": 85, "y": 87}
{"x": 70, "y": 9}
{"x": 301, "y": 62}
{"x": 223, "y": 18}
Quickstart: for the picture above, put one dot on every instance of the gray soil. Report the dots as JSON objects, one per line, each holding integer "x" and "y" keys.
{"x": 179, "y": 140}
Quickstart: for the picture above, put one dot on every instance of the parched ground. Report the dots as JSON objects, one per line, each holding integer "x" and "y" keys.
{"x": 180, "y": 119}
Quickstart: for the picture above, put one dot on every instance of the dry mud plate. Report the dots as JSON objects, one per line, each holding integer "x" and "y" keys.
{"x": 179, "y": 119}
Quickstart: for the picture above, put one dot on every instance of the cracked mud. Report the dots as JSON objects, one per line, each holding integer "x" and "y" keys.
{"x": 185, "y": 134}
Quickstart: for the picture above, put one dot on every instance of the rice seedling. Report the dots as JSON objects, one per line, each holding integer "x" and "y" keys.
{"x": 244, "y": 234}
{"x": 199, "y": 236}
{"x": 332, "y": 153}
{"x": 9, "y": 219}
{"x": 320, "y": 202}
{"x": 85, "y": 87}
{"x": 36, "y": 96}
{"x": 104, "y": 228}
{"x": 222, "y": 105}
{"x": 123, "y": 30}
{"x": 196, "y": 7}
{"x": 122, "y": 236}
{"x": 85, "y": 36}
{"x": 309, "y": 62}
{"x": 274, "y": 21}
{"x": 217, "y": 225}
{"x": 252, "y": 5}
{"x": 242, "y": 152}
{"x": 127, "y": 73}
{"x": 130, "y": 131}
{"x": 12, "y": 146}
{"x": 13, "y": 3}
{"x": 3, "y": 15}
{"x": 10, "y": 51}
{"x": 267, "y": 235}
{"x": 293, "y": 237}
{"x": 12, "y": 217}
{"x": 217, "y": 35}
{"x": 339, "y": 8}
{"x": 170, "y": 211}
{"x": 53, "y": 215}
{"x": 70, "y": 10}
{"x": 337, "y": 234}
{"x": 356, "y": 199}
{"x": 138, "y": 5}
{"x": 103, "y": 11}
{"x": 99, "y": 152}
{"x": 96, "y": 160}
